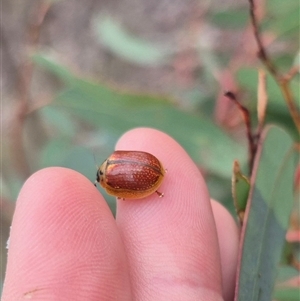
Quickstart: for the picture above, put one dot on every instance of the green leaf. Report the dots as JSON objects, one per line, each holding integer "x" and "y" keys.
{"x": 116, "y": 112}
{"x": 287, "y": 294}
{"x": 283, "y": 61}
{"x": 286, "y": 284}
{"x": 60, "y": 121}
{"x": 61, "y": 152}
{"x": 281, "y": 8}
{"x": 283, "y": 18}
{"x": 285, "y": 273}
{"x": 248, "y": 78}
{"x": 194, "y": 133}
{"x": 285, "y": 27}
{"x": 127, "y": 46}
{"x": 277, "y": 111}
{"x": 267, "y": 215}
{"x": 55, "y": 152}
{"x": 230, "y": 19}
{"x": 49, "y": 63}
{"x": 240, "y": 190}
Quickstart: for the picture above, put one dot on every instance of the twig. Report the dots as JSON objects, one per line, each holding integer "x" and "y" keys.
{"x": 262, "y": 53}
{"x": 252, "y": 145}
{"x": 287, "y": 93}
{"x": 282, "y": 80}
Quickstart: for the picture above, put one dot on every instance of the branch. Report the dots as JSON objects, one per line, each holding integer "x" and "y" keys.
{"x": 262, "y": 53}
{"x": 282, "y": 80}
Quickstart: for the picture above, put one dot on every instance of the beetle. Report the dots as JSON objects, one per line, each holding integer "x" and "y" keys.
{"x": 131, "y": 174}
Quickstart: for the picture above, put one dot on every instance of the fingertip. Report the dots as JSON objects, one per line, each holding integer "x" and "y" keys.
{"x": 228, "y": 236}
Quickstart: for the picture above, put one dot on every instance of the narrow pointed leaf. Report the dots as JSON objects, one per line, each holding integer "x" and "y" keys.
{"x": 128, "y": 46}
{"x": 240, "y": 190}
{"x": 116, "y": 111}
{"x": 267, "y": 216}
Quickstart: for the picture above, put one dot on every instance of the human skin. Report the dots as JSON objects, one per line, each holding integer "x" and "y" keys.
{"x": 66, "y": 245}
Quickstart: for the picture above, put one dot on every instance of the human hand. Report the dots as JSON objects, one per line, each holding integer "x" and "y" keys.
{"x": 66, "y": 245}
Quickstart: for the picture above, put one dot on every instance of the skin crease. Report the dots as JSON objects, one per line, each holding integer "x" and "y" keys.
{"x": 66, "y": 245}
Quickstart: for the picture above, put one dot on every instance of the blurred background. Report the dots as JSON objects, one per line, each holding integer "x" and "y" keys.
{"x": 77, "y": 74}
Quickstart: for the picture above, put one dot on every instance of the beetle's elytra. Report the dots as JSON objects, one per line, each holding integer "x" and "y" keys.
{"x": 131, "y": 174}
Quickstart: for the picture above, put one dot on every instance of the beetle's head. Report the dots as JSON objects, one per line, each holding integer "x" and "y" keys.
{"x": 100, "y": 176}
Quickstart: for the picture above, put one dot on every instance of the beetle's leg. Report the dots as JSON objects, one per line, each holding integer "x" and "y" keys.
{"x": 160, "y": 194}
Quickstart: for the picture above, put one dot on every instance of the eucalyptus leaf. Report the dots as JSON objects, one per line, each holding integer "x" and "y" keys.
{"x": 280, "y": 8}
{"x": 248, "y": 79}
{"x": 283, "y": 19}
{"x": 205, "y": 142}
{"x": 230, "y": 19}
{"x": 277, "y": 110}
{"x": 128, "y": 46}
{"x": 117, "y": 111}
{"x": 267, "y": 216}
{"x": 55, "y": 152}
{"x": 287, "y": 294}
{"x": 59, "y": 120}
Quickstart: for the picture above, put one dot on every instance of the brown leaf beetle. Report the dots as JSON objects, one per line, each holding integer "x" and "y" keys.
{"x": 131, "y": 174}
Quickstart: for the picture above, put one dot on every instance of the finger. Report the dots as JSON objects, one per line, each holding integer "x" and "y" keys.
{"x": 64, "y": 243}
{"x": 171, "y": 242}
{"x": 228, "y": 235}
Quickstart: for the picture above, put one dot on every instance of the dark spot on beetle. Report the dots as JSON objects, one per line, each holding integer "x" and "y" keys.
{"x": 99, "y": 173}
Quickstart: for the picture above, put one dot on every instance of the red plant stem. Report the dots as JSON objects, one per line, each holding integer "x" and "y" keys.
{"x": 251, "y": 139}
